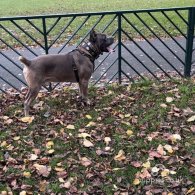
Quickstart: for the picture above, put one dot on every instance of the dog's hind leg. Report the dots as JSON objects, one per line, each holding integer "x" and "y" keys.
{"x": 32, "y": 94}
{"x": 28, "y": 92}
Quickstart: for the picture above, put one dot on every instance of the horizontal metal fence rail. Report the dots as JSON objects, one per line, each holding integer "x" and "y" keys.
{"x": 147, "y": 42}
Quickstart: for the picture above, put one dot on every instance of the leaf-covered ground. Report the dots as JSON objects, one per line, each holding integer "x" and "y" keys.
{"x": 136, "y": 139}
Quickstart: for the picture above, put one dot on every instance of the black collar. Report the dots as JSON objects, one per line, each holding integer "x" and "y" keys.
{"x": 92, "y": 49}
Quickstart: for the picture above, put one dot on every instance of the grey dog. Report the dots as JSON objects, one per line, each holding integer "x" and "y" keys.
{"x": 75, "y": 66}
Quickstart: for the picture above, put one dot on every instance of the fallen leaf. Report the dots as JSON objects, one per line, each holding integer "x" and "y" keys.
{"x": 49, "y": 144}
{"x": 27, "y": 119}
{"x": 27, "y": 174}
{"x": 9, "y": 121}
{"x": 67, "y": 185}
{"x": 39, "y": 105}
{"x": 62, "y": 174}
{"x": 107, "y": 148}
{"x": 163, "y": 105}
{"x": 146, "y": 164}
{"x": 169, "y": 99}
{"x": 33, "y": 157}
{"x": 23, "y": 192}
{"x": 190, "y": 190}
{"x": 107, "y": 140}
{"x": 3, "y": 144}
{"x": 172, "y": 172}
{"x": 61, "y": 180}
{"x": 85, "y": 161}
{"x": 175, "y": 137}
{"x": 168, "y": 148}
{"x": 87, "y": 143}
{"x": 127, "y": 115}
{"x": 88, "y": 117}
{"x": 160, "y": 150}
{"x": 136, "y": 182}
{"x": 51, "y": 151}
{"x": 4, "y": 193}
{"x": 165, "y": 172}
{"x": 191, "y": 119}
{"x": 120, "y": 156}
{"x": 43, "y": 185}
{"x": 84, "y": 135}
{"x": 59, "y": 169}
{"x": 91, "y": 124}
{"x": 16, "y": 138}
{"x": 129, "y": 132}
{"x": 144, "y": 174}
{"x": 136, "y": 164}
{"x": 70, "y": 127}
{"x": 121, "y": 116}
{"x": 42, "y": 170}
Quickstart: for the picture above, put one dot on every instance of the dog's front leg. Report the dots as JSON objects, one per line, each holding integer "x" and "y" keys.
{"x": 83, "y": 85}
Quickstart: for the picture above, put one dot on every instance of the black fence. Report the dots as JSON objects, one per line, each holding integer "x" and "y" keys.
{"x": 148, "y": 43}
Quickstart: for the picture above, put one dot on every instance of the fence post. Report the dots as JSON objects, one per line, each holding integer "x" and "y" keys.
{"x": 119, "y": 47}
{"x": 46, "y": 44}
{"x": 45, "y": 35}
{"x": 189, "y": 42}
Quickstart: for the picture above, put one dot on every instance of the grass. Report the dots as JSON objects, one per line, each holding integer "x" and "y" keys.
{"x": 35, "y": 7}
{"x": 137, "y": 107}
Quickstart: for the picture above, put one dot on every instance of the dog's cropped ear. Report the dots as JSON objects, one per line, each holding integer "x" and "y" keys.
{"x": 93, "y": 36}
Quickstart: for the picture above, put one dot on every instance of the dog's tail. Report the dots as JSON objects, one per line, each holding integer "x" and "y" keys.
{"x": 25, "y": 61}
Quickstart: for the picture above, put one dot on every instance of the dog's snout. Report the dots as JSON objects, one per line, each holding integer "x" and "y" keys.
{"x": 111, "y": 40}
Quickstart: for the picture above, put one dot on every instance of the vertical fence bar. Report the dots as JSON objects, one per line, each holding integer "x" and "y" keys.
{"x": 119, "y": 47}
{"x": 45, "y": 35}
{"x": 189, "y": 42}
{"x": 46, "y": 44}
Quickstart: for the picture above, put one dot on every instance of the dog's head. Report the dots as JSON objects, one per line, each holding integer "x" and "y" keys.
{"x": 101, "y": 41}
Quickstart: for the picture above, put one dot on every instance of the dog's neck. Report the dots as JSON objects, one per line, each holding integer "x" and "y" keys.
{"x": 92, "y": 49}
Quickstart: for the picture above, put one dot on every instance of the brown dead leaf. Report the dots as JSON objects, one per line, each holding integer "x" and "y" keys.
{"x": 91, "y": 124}
{"x": 154, "y": 154}
{"x": 43, "y": 185}
{"x": 27, "y": 119}
{"x": 144, "y": 174}
{"x": 136, "y": 182}
{"x": 70, "y": 127}
{"x": 22, "y": 193}
{"x": 85, "y": 161}
{"x": 160, "y": 150}
{"x": 120, "y": 156}
{"x": 191, "y": 119}
{"x": 136, "y": 164}
{"x": 146, "y": 164}
{"x": 87, "y": 143}
{"x": 107, "y": 140}
{"x": 59, "y": 169}
{"x": 169, "y": 99}
{"x": 42, "y": 170}
{"x": 33, "y": 157}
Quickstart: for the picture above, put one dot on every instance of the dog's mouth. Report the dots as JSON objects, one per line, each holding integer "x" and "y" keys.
{"x": 110, "y": 50}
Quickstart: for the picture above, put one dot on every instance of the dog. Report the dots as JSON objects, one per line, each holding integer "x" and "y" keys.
{"x": 75, "y": 66}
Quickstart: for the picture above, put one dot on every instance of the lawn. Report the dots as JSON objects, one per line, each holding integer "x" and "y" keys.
{"x": 33, "y": 7}
{"x": 135, "y": 139}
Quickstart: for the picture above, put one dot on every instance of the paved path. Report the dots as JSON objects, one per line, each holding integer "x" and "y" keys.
{"x": 134, "y": 48}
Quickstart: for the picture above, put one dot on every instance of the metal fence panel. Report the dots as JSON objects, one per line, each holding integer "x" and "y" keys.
{"x": 147, "y": 43}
